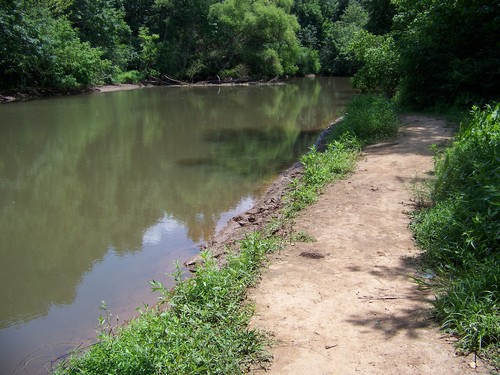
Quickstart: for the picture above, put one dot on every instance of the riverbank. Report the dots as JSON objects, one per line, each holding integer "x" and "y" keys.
{"x": 14, "y": 96}
{"x": 9, "y": 97}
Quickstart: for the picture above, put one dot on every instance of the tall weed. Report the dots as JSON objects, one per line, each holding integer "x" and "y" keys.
{"x": 461, "y": 232}
{"x": 320, "y": 168}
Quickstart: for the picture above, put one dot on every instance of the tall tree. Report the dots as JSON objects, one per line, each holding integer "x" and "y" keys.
{"x": 381, "y": 13}
{"x": 258, "y": 37}
{"x": 449, "y": 50}
{"x": 314, "y": 17}
{"x": 185, "y": 35}
{"x": 102, "y": 24}
{"x": 336, "y": 58}
{"x": 40, "y": 49}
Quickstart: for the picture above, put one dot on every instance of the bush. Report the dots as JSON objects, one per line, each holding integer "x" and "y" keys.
{"x": 38, "y": 49}
{"x": 371, "y": 118}
{"x": 461, "y": 232}
{"x": 132, "y": 76}
{"x": 467, "y": 193}
{"x": 308, "y": 61}
{"x": 379, "y": 56}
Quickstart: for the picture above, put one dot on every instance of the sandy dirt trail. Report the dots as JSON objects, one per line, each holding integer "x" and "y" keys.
{"x": 346, "y": 304}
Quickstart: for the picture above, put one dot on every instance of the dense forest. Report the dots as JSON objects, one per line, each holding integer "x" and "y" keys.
{"x": 423, "y": 51}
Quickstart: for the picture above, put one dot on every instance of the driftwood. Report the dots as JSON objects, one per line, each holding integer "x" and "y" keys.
{"x": 176, "y": 81}
{"x": 170, "y": 81}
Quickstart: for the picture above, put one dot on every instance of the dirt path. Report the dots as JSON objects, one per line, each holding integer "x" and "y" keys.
{"x": 346, "y": 303}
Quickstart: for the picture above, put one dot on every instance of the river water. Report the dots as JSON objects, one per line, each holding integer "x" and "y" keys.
{"x": 101, "y": 193}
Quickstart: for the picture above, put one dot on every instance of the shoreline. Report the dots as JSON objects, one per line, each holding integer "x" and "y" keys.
{"x": 265, "y": 209}
{"x": 36, "y": 94}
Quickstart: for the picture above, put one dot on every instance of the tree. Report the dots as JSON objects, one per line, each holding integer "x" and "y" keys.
{"x": 379, "y": 58}
{"x": 102, "y": 24}
{"x": 39, "y": 49}
{"x": 149, "y": 52}
{"x": 258, "y": 37}
{"x": 314, "y": 16}
{"x": 449, "y": 51}
{"x": 381, "y": 13}
{"x": 335, "y": 57}
{"x": 185, "y": 34}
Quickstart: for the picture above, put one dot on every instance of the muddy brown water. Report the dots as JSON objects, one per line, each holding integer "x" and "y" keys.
{"x": 101, "y": 193}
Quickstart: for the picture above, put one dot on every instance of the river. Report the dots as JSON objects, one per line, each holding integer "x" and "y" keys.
{"x": 101, "y": 193}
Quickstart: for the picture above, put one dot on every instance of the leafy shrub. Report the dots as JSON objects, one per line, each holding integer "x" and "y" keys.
{"x": 38, "y": 49}
{"x": 308, "y": 61}
{"x": 239, "y": 71}
{"x": 470, "y": 307}
{"x": 370, "y": 118}
{"x": 467, "y": 193}
{"x": 461, "y": 232}
{"x": 379, "y": 56}
{"x": 132, "y": 76}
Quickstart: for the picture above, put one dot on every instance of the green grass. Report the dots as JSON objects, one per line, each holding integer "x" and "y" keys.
{"x": 321, "y": 168}
{"x": 370, "y": 118}
{"x": 461, "y": 234}
{"x": 302, "y": 236}
{"x": 201, "y": 325}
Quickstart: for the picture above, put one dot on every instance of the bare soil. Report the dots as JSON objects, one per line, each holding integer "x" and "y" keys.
{"x": 347, "y": 303}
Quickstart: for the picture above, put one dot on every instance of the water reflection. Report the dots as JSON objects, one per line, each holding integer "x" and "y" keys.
{"x": 90, "y": 180}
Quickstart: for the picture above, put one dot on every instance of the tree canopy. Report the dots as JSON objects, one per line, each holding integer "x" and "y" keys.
{"x": 424, "y": 52}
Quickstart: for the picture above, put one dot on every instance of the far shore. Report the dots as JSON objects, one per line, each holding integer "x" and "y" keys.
{"x": 32, "y": 94}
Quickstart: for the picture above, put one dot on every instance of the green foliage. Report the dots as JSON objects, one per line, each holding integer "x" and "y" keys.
{"x": 196, "y": 39}
{"x": 102, "y": 24}
{"x": 186, "y": 37}
{"x": 449, "y": 51}
{"x": 56, "y": 7}
{"x": 149, "y": 52}
{"x": 380, "y": 58}
{"x": 139, "y": 13}
{"x": 239, "y": 71}
{"x": 38, "y": 49}
{"x": 468, "y": 179}
{"x": 371, "y": 118}
{"x": 204, "y": 330}
{"x": 460, "y": 232}
{"x": 302, "y": 236}
{"x": 321, "y": 168}
{"x": 381, "y": 13}
{"x": 469, "y": 307}
{"x": 260, "y": 35}
{"x": 131, "y": 76}
{"x": 314, "y": 17}
{"x": 308, "y": 61}
{"x": 336, "y": 58}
